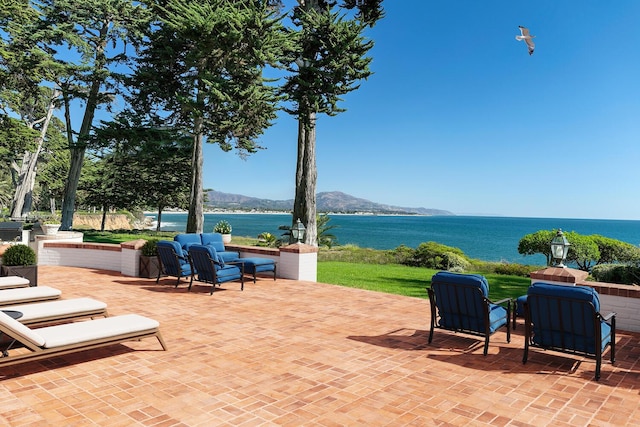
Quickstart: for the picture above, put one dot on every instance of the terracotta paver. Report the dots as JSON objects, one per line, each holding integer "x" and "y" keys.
{"x": 290, "y": 353}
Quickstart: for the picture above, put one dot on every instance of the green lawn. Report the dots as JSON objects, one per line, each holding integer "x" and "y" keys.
{"x": 408, "y": 281}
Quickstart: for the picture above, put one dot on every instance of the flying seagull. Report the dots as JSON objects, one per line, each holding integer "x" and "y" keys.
{"x": 528, "y": 39}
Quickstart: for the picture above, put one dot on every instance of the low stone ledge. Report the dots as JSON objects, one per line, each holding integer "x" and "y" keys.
{"x": 92, "y": 246}
{"x": 626, "y": 291}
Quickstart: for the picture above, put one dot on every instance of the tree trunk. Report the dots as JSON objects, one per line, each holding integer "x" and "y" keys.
{"x": 304, "y": 206}
{"x": 23, "y": 197}
{"x": 195, "y": 218}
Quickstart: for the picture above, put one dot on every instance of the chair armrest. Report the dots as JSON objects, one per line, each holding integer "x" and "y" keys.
{"x": 609, "y": 316}
{"x": 502, "y": 301}
{"x": 240, "y": 263}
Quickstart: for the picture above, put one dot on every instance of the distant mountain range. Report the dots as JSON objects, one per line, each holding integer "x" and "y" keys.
{"x": 332, "y": 201}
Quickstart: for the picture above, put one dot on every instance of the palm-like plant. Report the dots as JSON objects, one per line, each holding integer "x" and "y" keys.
{"x": 325, "y": 238}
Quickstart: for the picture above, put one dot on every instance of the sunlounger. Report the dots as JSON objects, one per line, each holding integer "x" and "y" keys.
{"x": 57, "y": 340}
{"x": 59, "y": 310}
{"x": 11, "y": 282}
{"x": 27, "y": 295}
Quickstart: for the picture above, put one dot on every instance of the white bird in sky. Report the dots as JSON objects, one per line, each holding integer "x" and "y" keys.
{"x": 528, "y": 39}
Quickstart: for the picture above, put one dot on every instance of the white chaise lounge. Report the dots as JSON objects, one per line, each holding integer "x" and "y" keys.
{"x": 57, "y": 340}
{"x": 12, "y": 282}
{"x": 27, "y": 295}
{"x": 59, "y": 310}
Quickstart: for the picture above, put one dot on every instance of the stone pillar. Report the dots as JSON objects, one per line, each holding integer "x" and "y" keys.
{"x": 298, "y": 262}
{"x": 559, "y": 276}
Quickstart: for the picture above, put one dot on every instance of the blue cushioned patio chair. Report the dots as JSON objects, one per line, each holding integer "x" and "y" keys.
{"x": 212, "y": 269}
{"x": 215, "y": 240}
{"x": 460, "y": 303}
{"x": 567, "y": 319}
{"x": 173, "y": 262}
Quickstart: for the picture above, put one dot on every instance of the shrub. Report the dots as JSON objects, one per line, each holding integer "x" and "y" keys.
{"x": 150, "y": 247}
{"x": 17, "y": 255}
{"x": 222, "y": 227}
{"x": 438, "y": 256}
{"x": 514, "y": 269}
{"x": 616, "y": 273}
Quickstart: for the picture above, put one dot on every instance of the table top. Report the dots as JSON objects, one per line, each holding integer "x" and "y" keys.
{"x": 13, "y": 313}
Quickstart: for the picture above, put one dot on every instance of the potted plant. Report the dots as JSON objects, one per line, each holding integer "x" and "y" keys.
{"x": 20, "y": 260}
{"x": 50, "y": 225}
{"x": 223, "y": 227}
{"x": 149, "y": 264}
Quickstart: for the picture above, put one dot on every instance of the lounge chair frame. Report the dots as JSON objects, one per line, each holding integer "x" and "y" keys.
{"x": 38, "y": 352}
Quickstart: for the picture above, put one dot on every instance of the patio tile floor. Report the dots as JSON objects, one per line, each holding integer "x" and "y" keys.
{"x": 289, "y": 353}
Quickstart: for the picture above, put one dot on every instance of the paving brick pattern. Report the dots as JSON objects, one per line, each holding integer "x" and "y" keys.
{"x": 290, "y": 353}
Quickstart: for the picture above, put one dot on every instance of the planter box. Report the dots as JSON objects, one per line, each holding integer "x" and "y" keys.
{"x": 149, "y": 267}
{"x": 29, "y": 272}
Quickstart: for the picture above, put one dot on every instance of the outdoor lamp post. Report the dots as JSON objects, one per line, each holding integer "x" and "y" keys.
{"x": 297, "y": 231}
{"x": 559, "y": 249}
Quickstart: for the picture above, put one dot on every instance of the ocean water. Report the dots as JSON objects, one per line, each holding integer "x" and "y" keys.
{"x": 484, "y": 238}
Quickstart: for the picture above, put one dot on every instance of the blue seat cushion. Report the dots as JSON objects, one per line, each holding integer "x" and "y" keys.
{"x": 497, "y": 317}
{"x": 213, "y": 239}
{"x": 227, "y": 273}
{"x": 520, "y": 305}
{"x": 566, "y": 322}
{"x": 257, "y": 265}
{"x": 462, "y": 279}
{"x": 186, "y": 240}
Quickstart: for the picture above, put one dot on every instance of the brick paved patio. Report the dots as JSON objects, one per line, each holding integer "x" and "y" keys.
{"x": 290, "y": 353}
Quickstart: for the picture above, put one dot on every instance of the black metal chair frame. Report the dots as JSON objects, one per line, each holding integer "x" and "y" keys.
{"x": 162, "y": 269}
{"x": 460, "y": 312}
{"x": 212, "y": 263}
{"x": 568, "y": 333}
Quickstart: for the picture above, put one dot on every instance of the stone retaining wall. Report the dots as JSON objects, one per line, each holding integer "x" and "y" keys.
{"x": 297, "y": 261}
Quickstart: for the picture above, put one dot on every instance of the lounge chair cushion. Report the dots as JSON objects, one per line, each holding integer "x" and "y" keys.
{"x": 19, "y": 295}
{"x": 10, "y": 282}
{"x": 58, "y": 308}
{"x": 98, "y": 329}
{"x": 22, "y": 332}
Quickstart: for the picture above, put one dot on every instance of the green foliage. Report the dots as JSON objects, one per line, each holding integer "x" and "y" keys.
{"x": 615, "y": 251}
{"x": 439, "y": 256}
{"x": 537, "y": 243}
{"x": 513, "y": 269}
{"x": 19, "y": 255}
{"x": 150, "y": 247}
{"x": 583, "y": 250}
{"x": 267, "y": 239}
{"x": 616, "y": 273}
{"x": 325, "y": 238}
{"x": 222, "y": 227}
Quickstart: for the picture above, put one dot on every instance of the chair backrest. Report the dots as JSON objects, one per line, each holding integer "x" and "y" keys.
{"x": 213, "y": 239}
{"x": 170, "y": 254}
{"x": 564, "y": 316}
{"x": 461, "y": 300}
{"x": 186, "y": 240}
{"x": 204, "y": 258}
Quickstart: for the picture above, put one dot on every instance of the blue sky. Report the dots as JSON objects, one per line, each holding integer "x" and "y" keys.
{"x": 459, "y": 117}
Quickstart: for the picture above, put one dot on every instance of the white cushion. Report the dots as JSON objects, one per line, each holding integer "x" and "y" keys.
{"x": 56, "y": 308}
{"x": 13, "y": 281}
{"x": 79, "y": 332}
{"x": 19, "y": 331}
{"x": 8, "y": 296}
